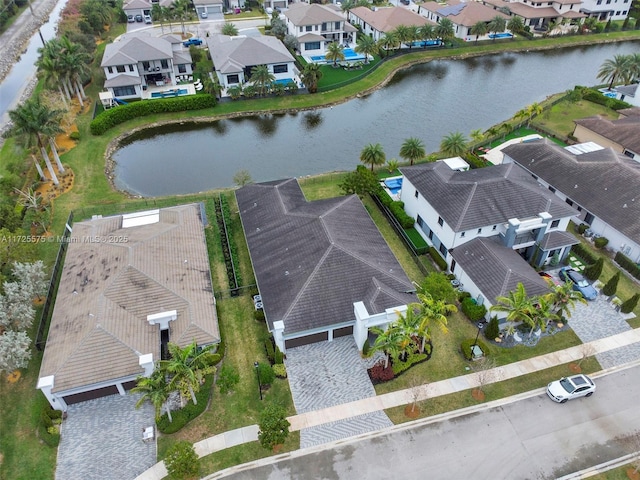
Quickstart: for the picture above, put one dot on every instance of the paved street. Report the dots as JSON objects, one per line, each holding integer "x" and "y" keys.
{"x": 533, "y": 438}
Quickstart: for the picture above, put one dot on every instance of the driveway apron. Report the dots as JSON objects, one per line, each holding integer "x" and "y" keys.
{"x": 102, "y": 440}
{"x": 326, "y": 374}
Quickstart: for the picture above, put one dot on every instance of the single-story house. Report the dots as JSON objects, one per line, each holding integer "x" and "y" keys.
{"x": 134, "y": 62}
{"x": 144, "y": 7}
{"x": 316, "y": 25}
{"x": 322, "y": 268}
{"x": 209, "y": 6}
{"x": 622, "y": 135}
{"x": 376, "y": 23}
{"x": 234, "y": 57}
{"x": 129, "y": 285}
{"x": 463, "y": 15}
{"x": 602, "y": 184}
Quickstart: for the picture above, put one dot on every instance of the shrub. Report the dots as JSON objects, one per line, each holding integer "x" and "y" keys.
{"x": 473, "y": 311}
{"x": 366, "y": 349}
{"x": 584, "y": 253}
{"x": 115, "y": 116}
{"x": 629, "y": 305}
{"x": 592, "y": 272}
{"x": 279, "y": 370}
{"x": 271, "y": 353}
{"x": 228, "y": 378}
{"x": 189, "y": 411}
{"x": 597, "y": 97}
{"x": 397, "y": 209}
{"x": 258, "y": 315}
{"x": 379, "y": 374}
{"x": 582, "y": 228}
{"x": 601, "y": 242}
{"x": 265, "y": 374}
{"x": 399, "y": 367}
{"x": 49, "y": 438}
{"x": 182, "y": 461}
{"x": 611, "y": 286}
{"x": 435, "y": 255}
{"x": 463, "y": 295}
{"x": 466, "y": 345}
{"x": 279, "y": 356}
{"x": 273, "y": 425}
{"x": 46, "y": 419}
{"x": 492, "y": 330}
{"x": 628, "y": 264}
{"x": 74, "y": 135}
{"x": 438, "y": 285}
{"x": 220, "y": 351}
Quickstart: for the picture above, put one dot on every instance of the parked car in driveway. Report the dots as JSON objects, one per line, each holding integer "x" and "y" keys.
{"x": 130, "y": 18}
{"x": 192, "y": 41}
{"x": 147, "y": 19}
{"x": 204, "y": 14}
{"x": 580, "y": 283}
{"x": 568, "y": 388}
{"x": 138, "y": 18}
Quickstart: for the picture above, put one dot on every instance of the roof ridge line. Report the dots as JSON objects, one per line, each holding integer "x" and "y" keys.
{"x": 467, "y": 204}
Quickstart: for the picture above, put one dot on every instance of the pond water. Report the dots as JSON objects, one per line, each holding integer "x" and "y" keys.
{"x": 427, "y": 101}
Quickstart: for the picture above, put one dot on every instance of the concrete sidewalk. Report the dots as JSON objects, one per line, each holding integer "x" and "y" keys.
{"x": 404, "y": 397}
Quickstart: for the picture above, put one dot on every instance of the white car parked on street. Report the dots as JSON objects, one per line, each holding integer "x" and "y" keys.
{"x": 568, "y": 388}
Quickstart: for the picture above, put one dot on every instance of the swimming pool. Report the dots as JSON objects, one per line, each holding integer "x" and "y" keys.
{"x": 394, "y": 185}
{"x": 170, "y": 93}
{"x": 349, "y": 54}
{"x": 427, "y": 43}
{"x": 501, "y": 35}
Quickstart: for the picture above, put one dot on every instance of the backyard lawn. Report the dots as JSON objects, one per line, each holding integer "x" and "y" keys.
{"x": 559, "y": 118}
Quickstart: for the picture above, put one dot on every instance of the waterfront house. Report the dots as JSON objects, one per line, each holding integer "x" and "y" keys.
{"x": 380, "y": 21}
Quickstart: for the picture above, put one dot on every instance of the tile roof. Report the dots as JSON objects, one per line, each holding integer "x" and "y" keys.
{"x": 604, "y": 182}
{"x": 233, "y": 54}
{"x": 134, "y": 49}
{"x": 313, "y": 260}
{"x": 123, "y": 80}
{"x": 525, "y": 11}
{"x": 465, "y": 13}
{"x": 302, "y": 14}
{"x": 629, "y": 112}
{"x": 389, "y": 18}
{"x": 624, "y": 131}
{"x": 99, "y": 325}
{"x": 484, "y": 196}
{"x": 495, "y": 269}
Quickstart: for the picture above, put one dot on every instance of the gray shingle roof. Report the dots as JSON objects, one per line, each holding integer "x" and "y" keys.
{"x": 624, "y": 131}
{"x": 557, "y": 239}
{"x": 604, "y": 182}
{"x": 313, "y": 260}
{"x": 136, "y": 49}
{"x": 484, "y": 196}
{"x": 99, "y": 325}
{"x": 233, "y": 54}
{"x": 496, "y": 269}
{"x": 123, "y": 80}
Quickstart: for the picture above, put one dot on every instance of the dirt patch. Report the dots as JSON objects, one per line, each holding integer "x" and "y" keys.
{"x": 477, "y": 394}
{"x": 575, "y": 368}
{"x": 412, "y": 411}
{"x": 632, "y": 473}
{"x": 48, "y": 191}
{"x": 14, "y": 376}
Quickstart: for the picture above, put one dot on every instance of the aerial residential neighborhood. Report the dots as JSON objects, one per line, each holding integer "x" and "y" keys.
{"x": 317, "y": 291}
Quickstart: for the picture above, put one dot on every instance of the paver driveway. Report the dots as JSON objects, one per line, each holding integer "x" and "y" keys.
{"x": 325, "y": 374}
{"x": 102, "y": 440}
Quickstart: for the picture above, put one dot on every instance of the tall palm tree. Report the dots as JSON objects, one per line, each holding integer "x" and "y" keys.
{"x": 413, "y": 34}
{"x": 478, "y": 29}
{"x": 262, "y": 78}
{"x": 389, "y": 42}
{"x": 50, "y": 74}
{"x": 497, "y": 25}
{"x": 187, "y": 368}
{"x": 533, "y": 110}
{"x": 517, "y": 305}
{"x": 454, "y": 144}
{"x": 182, "y": 10}
{"x": 515, "y": 25}
{"x": 212, "y": 85}
{"x": 426, "y": 32}
{"x": 367, "y": 46}
{"x": 34, "y": 120}
{"x": 74, "y": 63}
{"x": 158, "y": 15}
{"x": 403, "y": 34}
{"x": 634, "y": 66}
{"x": 506, "y": 127}
{"x": 615, "y": 69}
{"x": 563, "y": 298}
{"x": 412, "y": 149}
{"x": 428, "y": 311}
{"x": 154, "y": 389}
{"x": 311, "y": 75}
{"x": 445, "y": 29}
{"x": 334, "y": 53}
{"x": 373, "y": 155}
{"x": 477, "y": 135}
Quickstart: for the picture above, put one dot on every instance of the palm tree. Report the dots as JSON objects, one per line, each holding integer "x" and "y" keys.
{"x": 413, "y": 34}
{"x": 429, "y": 311}
{"x": 454, "y": 144}
{"x": 614, "y": 69}
{"x": 373, "y": 155}
{"x": 445, "y": 29}
{"x": 497, "y": 25}
{"x": 311, "y": 75}
{"x": 476, "y": 135}
{"x": 367, "y": 46}
{"x": 505, "y": 128}
{"x": 563, "y": 298}
{"x": 542, "y": 314}
{"x": 334, "y": 53}
{"x": 158, "y": 15}
{"x": 533, "y": 110}
{"x": 74, "y": 63}
{"x": 515, "y": 25}
{"x": 478, "y": 29}
{"x": 634, "y": 66}
{"x": 403, "y": 34}
{"x": 426, "y": 32}
{"x": 155, "y": 390}
{"x": 211, "y": 85}
{"x": 262, "y": 78}
{"x": 389, "y": 42}
{"x": 229, "y": 29}
{"x": 181, "y": 9}
{"x": 187, "y": 368}
{"x": 50, "y": 74}
{"x": 32, "y": 120}
{"x": 412, "y": 149}
{"x": 386, "y": 341}
{"x": 517, "y": 305}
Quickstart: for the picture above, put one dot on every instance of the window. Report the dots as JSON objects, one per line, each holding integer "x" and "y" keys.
{"x": 110, "y": 69}
{"x": 443, "y": 250}
{"x": 301, "y": 30}
{"x": 308, "y": 28}
{"x": 479, "y": 230}
{"x": 416, "y": 194}
{"x": 282, "y": 68}
{"x": 551, "y": 189}
{"x": 440, "y": 221}
{"x": 608, "y": 2}
{"x": 462, "y": 234}
{"x": 145, "y": 65}
{"x": 629, "y": 153}
{"x": 324, "y": 26}
{"x": 569, "y": 201}
{"x": 182, "y": 69}
{"x": 430, "y": 234}
{"x": 599, "y": 2}
{"x": 336, "y": 25}
{"x": 124, "y": 91}
{"x": 453, "y": 265}
{"x": 164, "y": 64}
{"x": 120, "y": 69}
{"x": 131, "y": 68}
{"x": 555, "y": 224}
{"x": 618, "y": 12}
{"x": 419, "y": 221}
{"x": 235, "y": 78}
{"x": 312, "y": 46}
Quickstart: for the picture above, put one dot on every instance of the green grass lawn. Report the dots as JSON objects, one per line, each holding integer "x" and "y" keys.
{"x": 336, "y": 75}
{"x": 559, "y": 118}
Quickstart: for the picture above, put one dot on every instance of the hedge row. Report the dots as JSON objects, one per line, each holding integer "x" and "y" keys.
{"x": 596, "y": 97}
{"x": 628, "y": 264}
{"x": 47, "y": 432}
{"x": 396, "y": 208}
{"x": 472, "y": 310}
{"x": 435, "y": 255}
{"x": 189, "y": 411}
{"x": 584, "y": 253}
{"x": 120, "y": 114}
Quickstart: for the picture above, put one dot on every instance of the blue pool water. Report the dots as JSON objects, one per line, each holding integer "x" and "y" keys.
{"x": 394, "y": 185}
{"x": 284, "y": 81}
{"x": 170, "y": 93}
{"x": 427, "y": 43}
{"x": 501, "y": 35}
{"x": 349, "y": 54}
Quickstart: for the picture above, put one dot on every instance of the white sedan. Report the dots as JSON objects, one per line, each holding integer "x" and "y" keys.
{"x": 568, "y": 388}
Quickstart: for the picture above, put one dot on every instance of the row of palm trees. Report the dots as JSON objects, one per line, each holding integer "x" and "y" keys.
{"x": 623, "y": 69}
{"x": 183, "y": 372}
{"x": 180, "y": 10}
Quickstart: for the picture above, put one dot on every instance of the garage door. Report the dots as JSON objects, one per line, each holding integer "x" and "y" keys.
{"x": 91, "y": 394}
{"x": 306, "y": 340}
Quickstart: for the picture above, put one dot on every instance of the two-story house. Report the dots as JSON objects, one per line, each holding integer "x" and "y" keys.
{"x": 133, "y": 63}
{"x": 377, "y": 23}
{"x": 538, "y": 15}
{"x": 622, "y": 135}
{"x": 315, "y": 26}
{"x": 463, "y": 15}
{"x": 605, "y": 10}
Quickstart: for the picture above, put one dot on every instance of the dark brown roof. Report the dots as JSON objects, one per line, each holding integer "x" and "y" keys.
{"x": 313, "y": 260}
{"x": 484, "y": 196}
{"x": 624, "y": 131}
{"x": 604, "y": 182}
